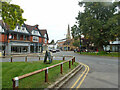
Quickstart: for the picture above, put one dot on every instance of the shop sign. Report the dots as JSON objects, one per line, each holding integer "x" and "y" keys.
{"x": 10, "y": 36}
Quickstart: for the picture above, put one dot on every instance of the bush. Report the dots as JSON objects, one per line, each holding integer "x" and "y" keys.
{"x": 102, "y": 52}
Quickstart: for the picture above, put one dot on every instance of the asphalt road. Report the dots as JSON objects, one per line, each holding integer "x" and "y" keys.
{"x": 103, "y": 71}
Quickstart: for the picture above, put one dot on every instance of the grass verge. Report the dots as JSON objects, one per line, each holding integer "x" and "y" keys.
{"x": 112, "y": 54}
{"x": 11, "y": 70}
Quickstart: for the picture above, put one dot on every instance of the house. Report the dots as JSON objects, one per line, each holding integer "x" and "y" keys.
{"x": 113, "y": 46}
{"x": 45, "y": 38}
{"x": 23, "y": 39}
{"x": 35, "y": 39}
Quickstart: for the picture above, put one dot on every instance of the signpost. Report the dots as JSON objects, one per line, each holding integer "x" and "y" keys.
{"x": 48, "y": 55}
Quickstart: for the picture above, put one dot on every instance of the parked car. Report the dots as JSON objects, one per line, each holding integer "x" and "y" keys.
{"x": 57, "y": 50}
{"x": 53, "y": 50}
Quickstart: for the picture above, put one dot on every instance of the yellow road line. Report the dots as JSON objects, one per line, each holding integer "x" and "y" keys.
{"x": 83, "y": 78}
{"x": 80, "y": 76}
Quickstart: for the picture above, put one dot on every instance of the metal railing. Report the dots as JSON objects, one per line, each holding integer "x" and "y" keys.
{"x": 16, "y": 79}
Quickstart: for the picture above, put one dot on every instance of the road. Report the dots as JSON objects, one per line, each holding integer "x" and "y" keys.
{"x": 103, "y": 71}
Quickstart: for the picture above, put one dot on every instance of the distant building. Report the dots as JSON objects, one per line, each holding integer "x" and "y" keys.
{"x": 66, "y": 44}
{"x": 113, "y": 46}
{"x": 68, "y": 36}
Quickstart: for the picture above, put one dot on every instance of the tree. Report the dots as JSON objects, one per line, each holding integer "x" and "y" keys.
{"x": 12, "y": 14}
{"x": 99, "y": 22}
{"x": 52, "y": 42}
{"x": 76, "y": 43}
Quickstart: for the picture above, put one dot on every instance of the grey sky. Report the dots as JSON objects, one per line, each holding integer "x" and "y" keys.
{"x": 53, "y": 15}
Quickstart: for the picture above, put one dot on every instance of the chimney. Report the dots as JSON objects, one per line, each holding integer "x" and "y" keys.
{"x": 36, "y": 26}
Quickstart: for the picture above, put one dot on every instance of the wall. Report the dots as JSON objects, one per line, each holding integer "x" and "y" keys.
{"x": 3, "y": 38}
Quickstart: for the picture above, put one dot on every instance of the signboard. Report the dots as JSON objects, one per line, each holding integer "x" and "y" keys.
{"x": 10, "y": 36}
{"x": 48, "y": 55}
{"x": 19, "y": 44}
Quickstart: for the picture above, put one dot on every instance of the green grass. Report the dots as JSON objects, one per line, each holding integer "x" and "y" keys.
{"x": 112, "y": 54}
{"x": 11, "y": 70}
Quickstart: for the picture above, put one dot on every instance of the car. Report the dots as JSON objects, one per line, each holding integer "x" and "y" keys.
{"x": 53, "y": 51}
{"x": 57, "y": 50}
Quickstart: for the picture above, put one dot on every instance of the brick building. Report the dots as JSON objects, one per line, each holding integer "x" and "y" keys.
{"x": 23, "y": 39}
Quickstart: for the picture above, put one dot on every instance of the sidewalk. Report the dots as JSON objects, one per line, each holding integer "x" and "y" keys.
{"x": 22, "y": 54}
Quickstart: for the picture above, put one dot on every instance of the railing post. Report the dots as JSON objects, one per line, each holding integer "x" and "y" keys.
{"x": 26, "y": 59}
{"x": 46, "y": 75}
{"x": 11, "y": 59}
{"x": 72, "y": 60}
{"x": 61, "y": 68}
{"x": 39, "y": 57}
{"x": 69, "y": 64}
{"x": 15, "y": 83}
{"x": 63, "y": 58}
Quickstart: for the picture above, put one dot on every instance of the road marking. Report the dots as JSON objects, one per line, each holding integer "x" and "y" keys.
{"x": 79, "y": 78}
{"x": 82, "y": 75}
{"x": 83, "y": 78}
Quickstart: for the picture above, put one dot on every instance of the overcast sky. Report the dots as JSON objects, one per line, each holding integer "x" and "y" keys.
{"x": 53, "y": 15}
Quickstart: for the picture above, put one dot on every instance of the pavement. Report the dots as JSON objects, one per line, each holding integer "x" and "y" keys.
{"x": 102, "y": 71}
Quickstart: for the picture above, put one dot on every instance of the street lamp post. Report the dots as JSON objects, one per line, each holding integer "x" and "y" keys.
{"x": 80, "y": 42}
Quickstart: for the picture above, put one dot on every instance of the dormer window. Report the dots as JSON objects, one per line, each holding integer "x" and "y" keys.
{"x": 18, "y": 27}
{"x": 23, "y": 28}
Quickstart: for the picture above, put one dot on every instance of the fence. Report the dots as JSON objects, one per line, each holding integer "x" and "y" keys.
{"x": 16, "y": 79}
{"x": 25, "y": 57}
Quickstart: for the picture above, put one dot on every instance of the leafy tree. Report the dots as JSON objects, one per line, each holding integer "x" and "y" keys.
{"x": 76, "y": 43}
{"x": 73, "y": 29}
{"x": 12, "y": 14}
{"x": 99, "y": 22}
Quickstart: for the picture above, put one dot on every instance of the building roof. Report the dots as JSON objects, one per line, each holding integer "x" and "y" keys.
{"x": 43, "y": 32}
{"x": 30, "y": 28}
{"x": 115, "y": 42}
{"x": 4, "y": 25}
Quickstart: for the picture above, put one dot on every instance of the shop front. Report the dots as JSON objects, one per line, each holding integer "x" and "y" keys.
{"x": 18, "y": 47}
{"x": 35, "y": 48}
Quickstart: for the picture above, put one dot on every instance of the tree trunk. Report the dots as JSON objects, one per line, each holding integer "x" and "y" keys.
{"x": 100, "y": 48}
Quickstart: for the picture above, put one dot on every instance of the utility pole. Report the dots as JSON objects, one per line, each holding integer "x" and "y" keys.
{"x": 80, "y": 42}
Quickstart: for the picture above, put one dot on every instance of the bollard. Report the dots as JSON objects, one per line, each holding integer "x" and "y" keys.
{"x": 15, "y": 83}
{"x": 69, "y": 64}
{"x": 63, "y": 58}
{"x": 11, "y": 59}
{"x": 46, "y": 75}
{"x": 26, "y": 59}
{"x": 61, "y": 68}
